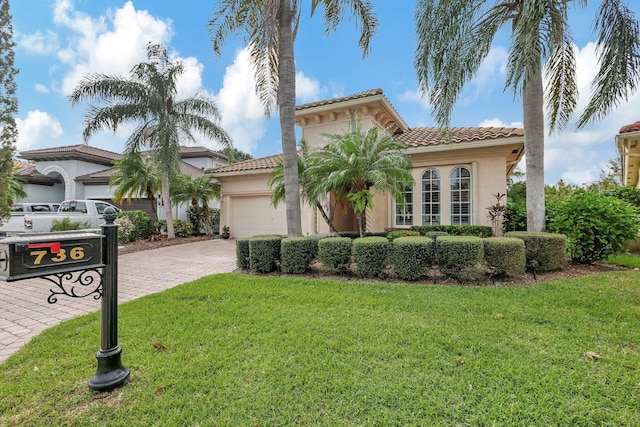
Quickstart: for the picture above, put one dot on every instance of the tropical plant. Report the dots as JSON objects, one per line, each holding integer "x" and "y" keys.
{"x": 148, "y": 98}
{"x": 270, "y": 29}
{"x": 197, "y": 190}
{"x": 9, "y": 109}
{"x": 235, "y": 155}
{"x": 16, "y": 190}
{"x": 277, "y": 184}
{"x": 455, "y": 36}
{"x": 136, "y": 177}
{"x": 356, "y": 162}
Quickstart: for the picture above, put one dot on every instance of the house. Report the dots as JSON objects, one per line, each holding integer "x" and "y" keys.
{"x": 82, "y": 172}
{"x": 456, "y": 173}
{"x": 628, "y": 144}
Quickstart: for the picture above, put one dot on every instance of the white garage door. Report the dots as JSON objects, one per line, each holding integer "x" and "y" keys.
{"x": 255, "y": 215}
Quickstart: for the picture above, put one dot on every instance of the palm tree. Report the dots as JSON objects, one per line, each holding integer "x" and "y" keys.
{"x": 356, "y": 162}
{"x": 196, "y": 190}
{"x": 148, "y": 99}
{"x": 15, "y": 190}
{"x": 270, "y": 28}
{"x": 454, "y": 37}
{"x": 136, "y": 177}
{"x": 277, "y": 184}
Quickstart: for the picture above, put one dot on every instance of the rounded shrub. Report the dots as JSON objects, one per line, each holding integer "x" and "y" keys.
{"x": 460, "y": 257}
{"x": 334, "y": 254}
{"x": 296, "y": 253}
{"x": 411, "y": 256}
{"x": 141, "y": 223}
{"x": 242, "y": 253}
{"x": 182, "y": 228}
{"x": 543, "y": 251}
{"x": 401, "y": 233}
{"x": 126, "y": 230}
{"x": 264, "y": 253}
{"x": 596, "y": 225}
{"x": 370, "y": 255}
{"x": 505, "y": 254}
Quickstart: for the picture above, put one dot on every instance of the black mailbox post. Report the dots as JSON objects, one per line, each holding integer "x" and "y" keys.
{"x": 56, "y": 257}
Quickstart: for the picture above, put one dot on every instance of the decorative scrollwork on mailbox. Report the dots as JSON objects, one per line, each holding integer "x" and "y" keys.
{"x": 75, "y": 284}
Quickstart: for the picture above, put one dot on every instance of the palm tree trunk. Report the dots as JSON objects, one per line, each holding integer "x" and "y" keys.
{"x": 326, "y": 218}
{"x": 166, "y": 199}
{"x": 534, "y": 151}
{"x": 286, "y": 104}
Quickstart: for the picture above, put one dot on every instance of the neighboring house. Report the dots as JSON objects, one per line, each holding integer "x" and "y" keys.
{"x": 456, "y": 174}
{"x": 628, "y": 144}
{"x": 83, "y": 172}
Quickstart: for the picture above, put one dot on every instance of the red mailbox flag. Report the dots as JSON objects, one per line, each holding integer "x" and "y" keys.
{"x": 54, "y": 247}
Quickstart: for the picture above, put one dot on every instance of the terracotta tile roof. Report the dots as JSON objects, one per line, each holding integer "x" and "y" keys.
{"x": 71, "y": 152}
{"x": 28, "y": 172}
{"x": 359, "y": 95}
{"x": 633, "y": 127}
{"x": 262, "y": 163}
{"x": 424, "y": 137}
{"x": 103, "y": 176}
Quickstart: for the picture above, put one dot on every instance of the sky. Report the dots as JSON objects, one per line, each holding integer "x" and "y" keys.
{"x": 60, "y": 41}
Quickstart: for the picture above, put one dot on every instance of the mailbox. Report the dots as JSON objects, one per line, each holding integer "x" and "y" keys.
{"x": 41, "y": 254}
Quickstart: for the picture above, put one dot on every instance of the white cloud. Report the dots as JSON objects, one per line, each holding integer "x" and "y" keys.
{"x": 37, "y": 127}
{"x": 40, "y": 88}
{"x": 38, "y": 43}
{"x": 242, "y": 113}
{"x": 307, "y": 88}
{"x": 110, "y": 44}
{"x": 497, "y": 123}
{"x": 415, "y": 96}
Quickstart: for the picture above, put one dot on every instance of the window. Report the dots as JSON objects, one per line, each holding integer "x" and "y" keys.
{"x": 404, "y": 211}
{"x": 431, "y": 197}
{"x": 460, "y": 196}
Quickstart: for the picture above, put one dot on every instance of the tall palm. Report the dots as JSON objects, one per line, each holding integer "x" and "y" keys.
{"x": 455, "y": 36}
{"x": 270, "y": 28}
{"x": 197, "y": 190}
{"x": 354, "y": 163}
{"x": 136, "y": 177}
{"x": 277, "y": 184}
{"x": 148, "y": 99}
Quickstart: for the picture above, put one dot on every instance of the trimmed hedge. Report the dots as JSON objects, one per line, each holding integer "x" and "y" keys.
{"x": 141, "y": 223}
{"x": 460, "y": 256}
{"x": 264, "y": 253}
{"x": 296, "y": 253}
{"x": 411, "y": 256}
{"x": 242, "y": 253}
{"x": 456, "y": 230}
{"x": 370, "y": 255}
{"x": 334, "y": 254}
{"x": 505, "y": 254}
{"x": 543, "y": 251}
{"x": 401, "y": 233}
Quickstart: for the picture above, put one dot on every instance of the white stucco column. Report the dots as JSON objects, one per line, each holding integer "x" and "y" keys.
{"x": 474, "y": 193}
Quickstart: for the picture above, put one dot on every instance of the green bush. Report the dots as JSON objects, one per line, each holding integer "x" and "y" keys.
{"x": 370, "y": 255}
{"x": 596, "y": 225}
{"x": 126, "y": 230}
{"x": 627, "y": 193}
{"x": 505, "y": 254}
{"x": 334, "y": 254}
{"x": 65, "y": 224}
{"x": 515, "y": 218}
{"x": 460, "y": 257}
{"x": 401, "y": 233}
{"x": 264, "y": 253}
{"x": 141, "y": 224}
{"x": 296, "y": 253}
{"x": 242, "y": 253}
{"x": 456, "y": 230}
{"x": 182, "y": 228}
{"x": 411, "y": 256}
{"x": 543, "y": 251}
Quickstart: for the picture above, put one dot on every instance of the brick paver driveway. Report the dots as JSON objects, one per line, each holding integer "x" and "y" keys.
{"x": 25, "y": 312}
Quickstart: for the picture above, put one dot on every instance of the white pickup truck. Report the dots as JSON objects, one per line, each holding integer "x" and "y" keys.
{"x": 87, "y": 212}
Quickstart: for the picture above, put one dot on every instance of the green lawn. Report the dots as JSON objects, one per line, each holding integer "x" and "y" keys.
{"x": 242, "y": 350}
{"x": 631, "y": 260}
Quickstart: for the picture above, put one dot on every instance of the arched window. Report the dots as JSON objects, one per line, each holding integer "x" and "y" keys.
{"x": 460, "y": 196}
{"x": 431, "y": 197}
{"x": 404, "y": 212}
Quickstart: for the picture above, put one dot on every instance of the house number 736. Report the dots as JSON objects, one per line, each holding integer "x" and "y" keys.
{"x": 75, "y": 253}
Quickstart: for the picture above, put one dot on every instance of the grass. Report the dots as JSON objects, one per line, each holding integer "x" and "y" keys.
{"x": 631, "y": 260}
{"x": 245, "y": 350}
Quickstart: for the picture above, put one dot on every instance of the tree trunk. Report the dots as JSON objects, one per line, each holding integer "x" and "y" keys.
{"x": 166, "y": 199}
{"x": 326, "y": 218}
{"x": 534, "y": 152}
{"x": 286, "y": 105}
